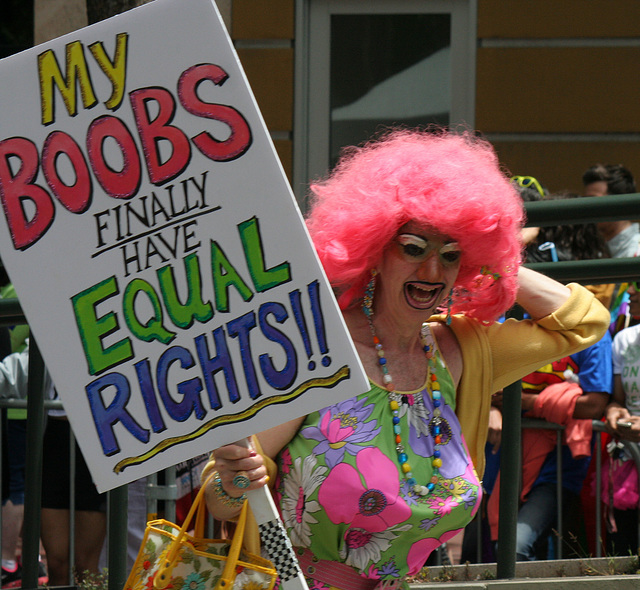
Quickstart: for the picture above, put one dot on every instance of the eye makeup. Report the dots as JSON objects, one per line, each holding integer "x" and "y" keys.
{"x": 416, "y": 249}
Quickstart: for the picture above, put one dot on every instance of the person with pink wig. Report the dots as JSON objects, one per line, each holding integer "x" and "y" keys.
{"x": 418, "y": 232}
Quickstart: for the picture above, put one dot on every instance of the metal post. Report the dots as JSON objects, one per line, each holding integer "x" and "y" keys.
{"x": 170, "y": 493}
{"x": 559, "y": 492}
{"x": 510, "y": 468}
{"x": 598, "y": 492}
{"x": 33, "y": 469}
{"x": 117, "y": 503}
{"x": 72, "y": 508}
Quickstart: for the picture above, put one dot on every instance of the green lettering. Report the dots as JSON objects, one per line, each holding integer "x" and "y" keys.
{"x": 183, "y": 315}
{"x": 225, "y": 276}
{"x": 153, "y": 328}
{"x": 263, "y": 279}
{"x": 93, "y": 328}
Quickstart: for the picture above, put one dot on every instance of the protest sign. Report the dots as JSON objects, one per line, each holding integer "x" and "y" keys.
{"x": 155, "y": 245}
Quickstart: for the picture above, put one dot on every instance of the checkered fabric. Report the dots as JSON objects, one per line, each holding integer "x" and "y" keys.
{"x": 278, "y": 547}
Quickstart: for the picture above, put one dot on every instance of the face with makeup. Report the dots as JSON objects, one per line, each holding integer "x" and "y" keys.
{"x": 417, "y": 272}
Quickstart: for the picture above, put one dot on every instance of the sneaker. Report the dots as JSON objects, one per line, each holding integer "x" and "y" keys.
{"x": 12, "y": 579}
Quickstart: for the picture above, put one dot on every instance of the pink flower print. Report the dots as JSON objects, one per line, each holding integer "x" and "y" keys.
{"x": 373, "y": 506}
{"x": 286, "y": 461}
{"x": 371, "y": 573}
{"x": 343, "y": 428}
{"x": 442, "y": 506}
{"x": 335, "y": 431}
{"x": 421, "y": 549}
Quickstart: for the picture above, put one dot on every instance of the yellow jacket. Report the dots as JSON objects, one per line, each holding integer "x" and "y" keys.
{"x": 497, "y": 355}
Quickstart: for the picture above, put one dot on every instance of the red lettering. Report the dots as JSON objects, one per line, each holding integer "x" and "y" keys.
{"x": 121, "y": 184}
{"x": 75, "y": 197}
{"x": 153, "y": 132}
{"x": 240, "y": 137}
{"x": 17, "y": 188}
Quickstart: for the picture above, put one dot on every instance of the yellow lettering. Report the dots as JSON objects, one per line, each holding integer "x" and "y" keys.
{"x": 114, "y": 70}
{"x": 50, "y": 76}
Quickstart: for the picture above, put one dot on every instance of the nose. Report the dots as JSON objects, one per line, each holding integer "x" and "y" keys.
{"x": 431, "y": 269}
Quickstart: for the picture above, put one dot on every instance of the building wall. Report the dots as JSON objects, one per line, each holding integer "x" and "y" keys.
{"x": 263, "y": 34}
{"x": 558, "y": 86}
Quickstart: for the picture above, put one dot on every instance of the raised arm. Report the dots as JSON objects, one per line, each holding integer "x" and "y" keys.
{"x": 538, "y": 294}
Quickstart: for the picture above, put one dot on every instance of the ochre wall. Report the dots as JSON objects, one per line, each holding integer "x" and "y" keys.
{"x": 263, "y": 33}
{"x": 560, "y": 70}
{"x": 557, "y": 80}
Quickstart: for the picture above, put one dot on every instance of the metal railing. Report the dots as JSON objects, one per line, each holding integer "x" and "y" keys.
{"x": 154, "y": 493}
{"x": 611, "y": 270}
{"x": 599, "y": 428}
{"x": 11, "y": 314}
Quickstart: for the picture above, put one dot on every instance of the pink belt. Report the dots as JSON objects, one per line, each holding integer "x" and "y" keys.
{"x": 338, "y": 574}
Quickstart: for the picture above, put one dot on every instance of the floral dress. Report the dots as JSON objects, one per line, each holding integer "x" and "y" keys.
{"x": 343, "y": 496}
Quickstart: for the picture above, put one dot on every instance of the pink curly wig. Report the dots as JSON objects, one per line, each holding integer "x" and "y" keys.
{"x": 451, "y": 183}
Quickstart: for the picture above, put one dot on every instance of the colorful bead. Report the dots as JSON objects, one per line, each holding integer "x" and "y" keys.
{"x": 433, "y": 387}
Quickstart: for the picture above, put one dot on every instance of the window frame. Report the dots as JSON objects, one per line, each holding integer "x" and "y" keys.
{"x": 312, "y": 117}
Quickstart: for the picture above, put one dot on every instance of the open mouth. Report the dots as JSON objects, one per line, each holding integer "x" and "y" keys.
{"x": 422, "y": 295}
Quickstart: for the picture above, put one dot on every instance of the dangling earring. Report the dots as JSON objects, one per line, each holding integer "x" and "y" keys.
{"x": 367, "y": 302}
{"x": 449, "y": 303}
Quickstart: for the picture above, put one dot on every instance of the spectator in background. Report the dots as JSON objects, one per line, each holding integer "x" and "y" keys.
{"x": 530, "y": 190}
{"x": 90, "y": 506}
{"x": 14, "y": 440}
{"x": 622, "y": 237}
{"x": 623, "y": 421}
{"x": 600, "y": 180}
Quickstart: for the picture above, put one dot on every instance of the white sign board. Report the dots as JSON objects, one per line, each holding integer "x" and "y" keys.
{"x": 155, "y": 244}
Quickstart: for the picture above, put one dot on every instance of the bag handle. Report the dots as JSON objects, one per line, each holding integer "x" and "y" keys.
{"x": 229, "y": 572}
{"x": 163, "y": 577}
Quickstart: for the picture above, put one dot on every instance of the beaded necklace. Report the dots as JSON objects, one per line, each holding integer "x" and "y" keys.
{"x": 433, "y": 387}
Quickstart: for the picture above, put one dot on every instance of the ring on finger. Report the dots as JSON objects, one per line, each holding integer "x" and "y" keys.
{"x": 241, "y": 480}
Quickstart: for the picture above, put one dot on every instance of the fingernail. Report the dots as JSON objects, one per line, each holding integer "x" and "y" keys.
{"x": 252, "y": 454}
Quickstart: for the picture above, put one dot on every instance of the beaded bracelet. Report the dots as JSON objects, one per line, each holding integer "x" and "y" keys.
{"x": 222, "y": 495}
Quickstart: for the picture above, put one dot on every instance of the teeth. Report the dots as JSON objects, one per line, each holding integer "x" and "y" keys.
{"x": 420, "y": 294}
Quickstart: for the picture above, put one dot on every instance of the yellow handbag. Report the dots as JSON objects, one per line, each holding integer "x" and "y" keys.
{"x": 171, "y": 559}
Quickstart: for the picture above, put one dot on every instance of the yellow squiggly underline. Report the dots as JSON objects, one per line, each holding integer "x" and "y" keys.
{"x": 324, "y": 382}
